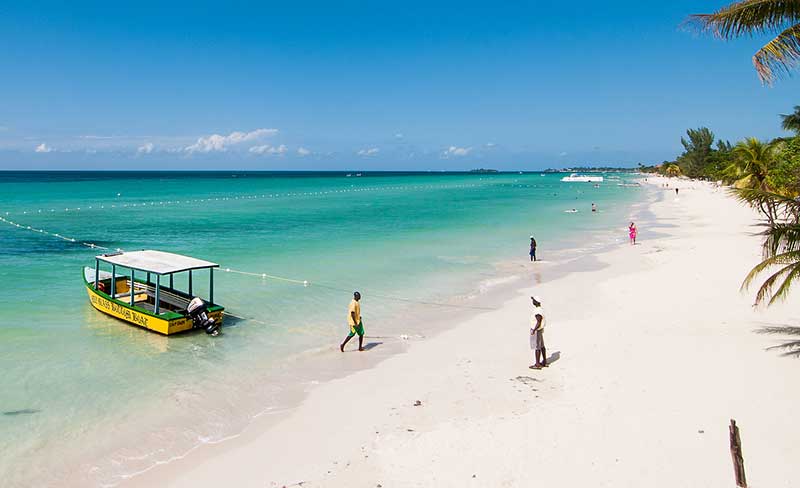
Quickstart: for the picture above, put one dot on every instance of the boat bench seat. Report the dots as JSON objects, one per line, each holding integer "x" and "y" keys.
{"x": 165, "y": 296}
{"x": 139, "y": 297}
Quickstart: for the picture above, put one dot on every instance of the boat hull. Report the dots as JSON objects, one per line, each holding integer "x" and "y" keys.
{"x": 166, "y": 324}
{"x": 582, "y": 179}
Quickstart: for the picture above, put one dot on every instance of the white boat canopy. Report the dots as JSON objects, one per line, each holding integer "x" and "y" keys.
{"x": 157, "y": 262}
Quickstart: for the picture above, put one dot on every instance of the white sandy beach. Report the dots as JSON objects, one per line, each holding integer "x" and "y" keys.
{"x": 653, "y": 354}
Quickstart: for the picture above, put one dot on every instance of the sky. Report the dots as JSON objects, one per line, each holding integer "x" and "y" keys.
{"x": 515, "y": 85}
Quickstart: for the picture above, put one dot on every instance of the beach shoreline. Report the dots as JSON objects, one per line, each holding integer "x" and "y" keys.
{"x": 475, "y": 390}
{"x": 321, "y": 365}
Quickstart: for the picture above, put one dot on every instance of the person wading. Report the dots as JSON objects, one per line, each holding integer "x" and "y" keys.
{"x": 354, "y": 319}
{"x": 533, "y": 249}
{"x": 537, "y": 334}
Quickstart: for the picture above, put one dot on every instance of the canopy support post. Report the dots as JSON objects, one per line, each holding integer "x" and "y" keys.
{"x": 190, "y": 282}
{"x": 96, "y": 273}
{"x": 113, "y": 281}
{"x": 171, "y": 286}
{"x": 211, "y": 285}
{"x": 132, "y": 290}
{"x": 148, "y": 277}
{"x": 158, "y": 294}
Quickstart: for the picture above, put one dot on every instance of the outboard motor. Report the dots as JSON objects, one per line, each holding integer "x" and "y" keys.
{"x": 197, "y": 310}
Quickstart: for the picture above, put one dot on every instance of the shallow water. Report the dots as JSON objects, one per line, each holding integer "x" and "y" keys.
{"x": 73, "y": 376}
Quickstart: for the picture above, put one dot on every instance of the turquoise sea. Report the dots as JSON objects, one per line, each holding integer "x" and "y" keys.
{"x": 84, "y": 393}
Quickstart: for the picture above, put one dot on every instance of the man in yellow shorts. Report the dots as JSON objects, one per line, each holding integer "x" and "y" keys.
{"x": 354, "y": 319}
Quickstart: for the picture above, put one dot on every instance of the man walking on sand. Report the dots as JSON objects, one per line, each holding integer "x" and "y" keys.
{"x": 533, "y": 249}
{"x": 354, "y": 319}
{"x": 537, "y": 334}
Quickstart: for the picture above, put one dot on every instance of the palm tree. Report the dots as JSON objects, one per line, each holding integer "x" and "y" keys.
{"x": 792, "y": 121}
{"x": 752, "y": 162}
{"x": 781, "y": 248}
{"x": 672, "y": 170}
{"x": 758, "y": 17}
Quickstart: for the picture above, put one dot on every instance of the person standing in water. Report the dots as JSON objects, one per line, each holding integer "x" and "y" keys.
{"x": 533, "y": 249}
{"x": 632, "y": 233}
{"x": 537, "y": 334}
{"x": 594, "y": 207}
{"x": 354, "y": 320}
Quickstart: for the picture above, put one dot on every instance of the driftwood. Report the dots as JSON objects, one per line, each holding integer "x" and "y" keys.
{"x": 736, "y": 455}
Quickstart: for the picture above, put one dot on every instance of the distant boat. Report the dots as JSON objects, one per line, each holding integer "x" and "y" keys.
{"x": 576, "y": 178}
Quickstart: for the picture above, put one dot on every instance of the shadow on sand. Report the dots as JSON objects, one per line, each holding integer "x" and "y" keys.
{"x": 554, "y": 357}
{"x": 791, "y": 347}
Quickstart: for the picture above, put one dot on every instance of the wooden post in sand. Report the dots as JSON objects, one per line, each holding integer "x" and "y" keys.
{"x": 736, "y": 454}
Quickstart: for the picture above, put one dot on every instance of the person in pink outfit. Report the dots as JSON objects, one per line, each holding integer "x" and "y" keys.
{"x": 632, "y": 233}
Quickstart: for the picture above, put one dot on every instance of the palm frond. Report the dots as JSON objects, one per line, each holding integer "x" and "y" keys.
{"x": 749, "y": 17}
{"x": 765, "y": 290}
{"x": 779, "y": 56}
{"x": 781, "y": 238}
{"x": 783, "y": 290}
{"x": 791, "y": 121}
{"x": 782, "y": 259}
{"x": 756, "y": 197}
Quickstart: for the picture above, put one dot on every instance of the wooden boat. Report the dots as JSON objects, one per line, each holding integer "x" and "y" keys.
{"x": 140, "y": 289}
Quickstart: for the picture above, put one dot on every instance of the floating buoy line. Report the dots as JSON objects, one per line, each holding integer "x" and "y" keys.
{"x": 262, "y": 196}
{"x": 262, "y": 276}
{"x": 54, "y": 234}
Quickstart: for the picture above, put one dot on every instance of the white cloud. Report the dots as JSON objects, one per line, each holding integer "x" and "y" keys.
{"x": 301, "y": 151}
{"x": 220, "y": 143}
{"x": 399, "y": 136}
{"x": 43, "y": 148}
{"x": 368, "y": 151}
{"x": 456, "y": 151}
{"x": 146, "y": 148}
{"x": 562, "y": 154}
{"x": 490, "y": 145}
{"x": 267, "y": 149}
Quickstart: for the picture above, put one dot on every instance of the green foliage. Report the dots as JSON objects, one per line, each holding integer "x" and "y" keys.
{"x": 749, "y": 18}
{"x": 781, "y": 246}
{"x": 697, "y": 151}
{"x": 718, "y": 160}
{"x": 766, "y": 176}
{"x": 791, "y": 121}
{"x": 785, "y": 176}
{"x": 672, "y": 169}
{"x": 752, "y": 164}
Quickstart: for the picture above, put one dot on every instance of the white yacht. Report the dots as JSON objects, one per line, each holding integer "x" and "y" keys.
{"x": 576, "y": 178}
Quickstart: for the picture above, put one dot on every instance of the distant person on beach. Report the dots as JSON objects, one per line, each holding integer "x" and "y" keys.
{"x": 676, "y": 192}
{"x": 594, "y": 207}
{"x": 354, "y": 320}
{"x": 537, "y": 334}
{"x": 632, "y": 233}
{"x": 533, "y": 249}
